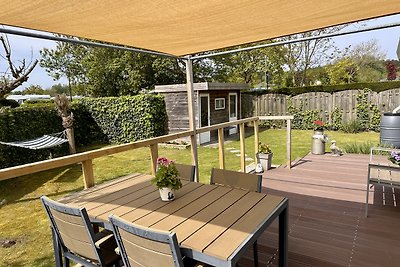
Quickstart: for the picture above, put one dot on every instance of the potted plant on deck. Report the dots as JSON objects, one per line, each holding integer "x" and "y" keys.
{"x": 264, "y": 156}
{"x": 166, "y": 179}
{"x": 319, "y": 138}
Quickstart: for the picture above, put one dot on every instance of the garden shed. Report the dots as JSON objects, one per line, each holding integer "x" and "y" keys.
{"x": 216, "y": 102}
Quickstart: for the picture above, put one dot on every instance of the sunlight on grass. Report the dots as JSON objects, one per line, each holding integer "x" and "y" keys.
{"x": 24, "y": 220}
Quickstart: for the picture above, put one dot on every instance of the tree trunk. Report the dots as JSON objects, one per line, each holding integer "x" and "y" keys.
{"x": 71, "y": 140}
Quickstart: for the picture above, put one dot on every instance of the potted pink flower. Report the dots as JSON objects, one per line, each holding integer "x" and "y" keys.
{"x": 166, "y": 179}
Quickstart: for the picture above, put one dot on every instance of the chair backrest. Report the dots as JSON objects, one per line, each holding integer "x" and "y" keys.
{"x": 141, "y": 246}
{"x": 241, "y": 180}
{"x": 186, "y": 172}
{"x": 73, "y": 229}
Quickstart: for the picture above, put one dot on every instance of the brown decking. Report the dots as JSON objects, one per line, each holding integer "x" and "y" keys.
{"x": 327, "y": 224}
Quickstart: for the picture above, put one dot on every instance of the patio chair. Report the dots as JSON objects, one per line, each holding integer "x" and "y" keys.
{"x": 240, "y": 180}
{"x": 74, "y": 235}
{"x": 186, "y": 172}
{"x": 141, "y": 246}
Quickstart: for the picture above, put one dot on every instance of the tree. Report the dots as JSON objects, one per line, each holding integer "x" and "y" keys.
{"x": 343, "y": 71}
{"x": 14, "y": 76}
{"x": 95, "y": 71}
{"x": 34, "y": 90}
{"x": 391, "y": 71}
{"x": 302, "y": 56}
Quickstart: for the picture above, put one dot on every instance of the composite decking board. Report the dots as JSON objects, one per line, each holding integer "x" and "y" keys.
{"x": 124, "y": 186}
{"x": 174, "y": 206}
{"x": 171, "y": 221}
{"x": 197, "y": 221}
{"x": 376, "y": 241}
{"x": 139, "y": 212}
{"x": 233, "y": 237}
{"x": 78, "y": 195}
{"x": 201, "y": 239}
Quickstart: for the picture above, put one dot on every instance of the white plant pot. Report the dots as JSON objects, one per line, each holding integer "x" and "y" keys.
{"x": 166, "y": 194}
{"x": 265, "y": 160}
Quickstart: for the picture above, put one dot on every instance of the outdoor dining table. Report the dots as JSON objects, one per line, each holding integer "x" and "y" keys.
{"x": 214, "y": 224}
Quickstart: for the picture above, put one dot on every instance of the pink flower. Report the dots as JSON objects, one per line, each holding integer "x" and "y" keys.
{"x": 164, "y": 161}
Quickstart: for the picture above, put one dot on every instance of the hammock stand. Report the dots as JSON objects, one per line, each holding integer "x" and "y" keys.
{"x": 46, "y": 141}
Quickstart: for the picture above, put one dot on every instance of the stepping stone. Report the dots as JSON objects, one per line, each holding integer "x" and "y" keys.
{"x": 249, "y": 159}
{"x": 230, "y": 148}
{"x": 235, "y": 151}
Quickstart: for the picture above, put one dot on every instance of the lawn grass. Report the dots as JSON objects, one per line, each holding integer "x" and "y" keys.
{"x": 23, "y": 218}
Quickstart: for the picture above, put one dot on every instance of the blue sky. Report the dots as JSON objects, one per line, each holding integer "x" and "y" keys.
{"x": 25, "y": 47}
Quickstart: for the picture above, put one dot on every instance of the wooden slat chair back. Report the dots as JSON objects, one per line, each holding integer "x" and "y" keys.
{"x": 186, "y": 172}
{"x": 74, "y": 232}
{"x": 240, "y": 180}
{"x": 140, "y": 246}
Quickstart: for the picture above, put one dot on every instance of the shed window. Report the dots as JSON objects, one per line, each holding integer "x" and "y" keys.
{"x": 219, "y": 103}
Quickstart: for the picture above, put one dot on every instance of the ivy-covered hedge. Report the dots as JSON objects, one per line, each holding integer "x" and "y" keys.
{"x": 292, "y": 91}
{"x": 97, "y": 120}
{"x": 128, "y": 118}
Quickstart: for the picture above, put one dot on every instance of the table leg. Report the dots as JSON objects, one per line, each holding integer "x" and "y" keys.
{"x": 366, "y": 201}
{"x": 283, "y": 238}
{"x": 57, "y": 249}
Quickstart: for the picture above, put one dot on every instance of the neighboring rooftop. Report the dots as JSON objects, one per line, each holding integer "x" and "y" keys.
{"x": 205, "y": 86}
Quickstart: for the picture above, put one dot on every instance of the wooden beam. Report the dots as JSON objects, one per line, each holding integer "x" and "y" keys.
{"x": 262, "y": 118}
{"x": 88, "y": 175}
{"x": 242, "y": 148}
{"x": 153, "y": 158}
{"x": 192, "y": 119}
{"x": 256, "y": 140}
{"x": 221, "y": 148}
{"x": 289, "y": 143}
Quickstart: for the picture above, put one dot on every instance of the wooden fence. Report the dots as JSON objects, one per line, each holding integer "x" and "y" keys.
{"x": 346, "y": 101}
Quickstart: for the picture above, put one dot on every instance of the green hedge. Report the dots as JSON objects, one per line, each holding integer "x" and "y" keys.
{"x": 128, "y": 118}
{"x": 97, "y": 120}
{"x": 292, "y": 91}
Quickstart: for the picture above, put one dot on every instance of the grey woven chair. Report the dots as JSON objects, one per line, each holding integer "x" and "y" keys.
{"x": 239, "y": 180}
{"x": 74, "y": 237}
{"x": 186, "y": 172}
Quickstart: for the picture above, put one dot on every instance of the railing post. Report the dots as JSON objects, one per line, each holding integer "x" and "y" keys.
{"x": 289, "y": 143}
{"x": 242, "y": 148}
{"x": 256, "y": 139}
{"x": 153, "y": 157}
{"x": 221, "y": 148}
{"x": 88, "y": 176}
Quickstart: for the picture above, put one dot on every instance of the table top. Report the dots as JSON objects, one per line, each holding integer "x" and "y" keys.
{"x": 209, "y": 219}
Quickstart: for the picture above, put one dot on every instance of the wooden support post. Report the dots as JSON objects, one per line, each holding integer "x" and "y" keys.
{"x": 242, "y": 148}
{"x": 221, "y": 148}
{"x": 256, "y": 140}
{"x": 88, "y": 176}
{"x": 153, "y": 157}
{"x": 289, "y": 143}
{"x": 192, "y": 119}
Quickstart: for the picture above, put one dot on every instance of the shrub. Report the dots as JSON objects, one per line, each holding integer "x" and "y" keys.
{"x": 8, "y": 103}
{"x": 352, "y": 126}
{"x": 358, "y": 148}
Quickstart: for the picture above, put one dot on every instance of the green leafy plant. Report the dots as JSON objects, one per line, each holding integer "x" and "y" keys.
{"x": 358, "y": 148}
{"x": 264, "y": 148}
{"x": 336, "y": 120}
{"x": 167, "y": 175}
{"x": 395, "y": 157}
{"x": 352, "y": 126}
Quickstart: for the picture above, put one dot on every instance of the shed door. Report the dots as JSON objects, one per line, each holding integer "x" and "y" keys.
{"x": 204, "y": 108}
{"x": 233, "y": 110}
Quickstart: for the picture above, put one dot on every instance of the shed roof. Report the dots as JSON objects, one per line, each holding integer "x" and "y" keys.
{"x": 205, "y": 86}
{"x": 182, "y": 27}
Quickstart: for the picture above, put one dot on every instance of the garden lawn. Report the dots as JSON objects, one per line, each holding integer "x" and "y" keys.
{"x": 23, "y": 219}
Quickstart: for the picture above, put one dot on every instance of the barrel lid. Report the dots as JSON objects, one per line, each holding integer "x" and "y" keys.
{"x": 391, "y": 114}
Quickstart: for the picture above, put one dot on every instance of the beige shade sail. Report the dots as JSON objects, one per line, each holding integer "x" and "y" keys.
{"x": 182, "y": 27}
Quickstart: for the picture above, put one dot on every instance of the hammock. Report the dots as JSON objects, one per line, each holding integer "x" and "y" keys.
{"x": 46, "y": 141}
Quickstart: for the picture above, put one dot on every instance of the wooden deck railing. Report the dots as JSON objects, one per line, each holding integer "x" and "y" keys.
{"x": 86, "y": 158}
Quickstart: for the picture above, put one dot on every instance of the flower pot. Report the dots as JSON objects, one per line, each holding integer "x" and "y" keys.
{"x": 265, "y": 160}
{"x": 166, "y": 194}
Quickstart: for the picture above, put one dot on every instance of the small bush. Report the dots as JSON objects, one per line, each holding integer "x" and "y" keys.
{"x": 351, "y": 127}
{"x": 359, "y": 148}
{"x": 8, "y": 103}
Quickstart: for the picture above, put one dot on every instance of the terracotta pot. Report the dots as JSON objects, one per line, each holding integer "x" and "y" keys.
{"x": 166, "y": 194}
